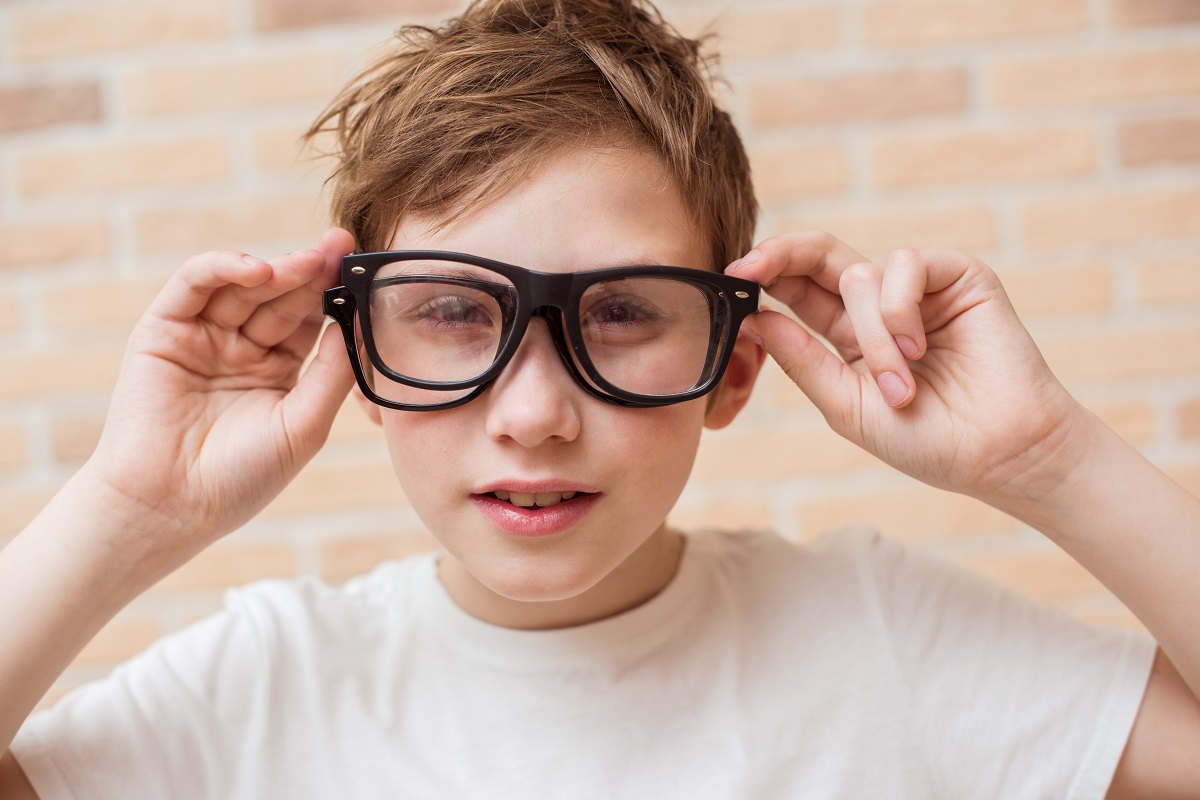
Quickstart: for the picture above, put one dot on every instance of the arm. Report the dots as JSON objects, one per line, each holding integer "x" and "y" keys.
{"x": 936, "y": 376}
{"x": 210, "y": 419}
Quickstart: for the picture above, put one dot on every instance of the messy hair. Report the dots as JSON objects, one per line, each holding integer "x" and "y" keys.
{"x": 455, "y": 116}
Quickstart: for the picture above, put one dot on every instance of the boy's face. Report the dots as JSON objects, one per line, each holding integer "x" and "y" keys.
{"x": 535, "y": 432}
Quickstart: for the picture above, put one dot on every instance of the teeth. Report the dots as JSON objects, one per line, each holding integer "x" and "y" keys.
{"x": 531, "y": 499}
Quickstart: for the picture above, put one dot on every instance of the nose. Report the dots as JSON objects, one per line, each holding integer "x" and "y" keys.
{"x": 534, "y": 400}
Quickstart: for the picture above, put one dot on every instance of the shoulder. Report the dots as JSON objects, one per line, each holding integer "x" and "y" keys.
{"x": 288, "y": 606}
{"x": 852, "y": 554}
{"x": 830, "y": 581}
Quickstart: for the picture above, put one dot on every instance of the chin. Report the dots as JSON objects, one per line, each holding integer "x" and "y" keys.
{"x": 536, "y": 580}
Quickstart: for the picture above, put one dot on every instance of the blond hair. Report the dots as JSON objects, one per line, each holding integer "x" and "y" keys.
{"x": 458, "y": 114}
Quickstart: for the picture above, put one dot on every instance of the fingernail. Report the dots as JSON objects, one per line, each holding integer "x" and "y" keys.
{"x": 252, "y": 261}
{"x": 893, "y": 388}
{"x": 907, "y": 346}
{"x": 751, "y": 258}
{"x": 752, "y": 336}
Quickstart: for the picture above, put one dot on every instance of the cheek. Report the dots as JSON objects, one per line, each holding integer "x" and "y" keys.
{"x": 662, "y": 443}
{"x": 424, "y": 451}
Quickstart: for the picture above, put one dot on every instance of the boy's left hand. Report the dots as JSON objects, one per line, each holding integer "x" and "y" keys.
{"x": 936, "y": 375}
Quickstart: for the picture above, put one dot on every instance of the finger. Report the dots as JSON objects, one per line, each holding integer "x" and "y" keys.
{"x": 822, "y": 311}
{"x": 300, "y": 343}
{"x": 905, "y": 282}
{"x": 813, "y": 254}
{"x": 860, "y": 288}
{"x": 309, "y": 408}
{"x": 190, "y": 289}
{"x": 910, "y": 279}
{"x": 232, "y": 306}
{"x": 276, "y": 321}
{"x": 831, "y": 385}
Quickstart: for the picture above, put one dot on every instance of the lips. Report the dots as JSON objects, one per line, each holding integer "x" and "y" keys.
{"x": 534, "y": 509}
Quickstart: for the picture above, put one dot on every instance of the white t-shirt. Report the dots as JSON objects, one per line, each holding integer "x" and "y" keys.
{"x": 849, "y": 668}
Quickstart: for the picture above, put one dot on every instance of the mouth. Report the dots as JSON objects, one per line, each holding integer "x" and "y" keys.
{"x": 535, "y": 513}
{"x": 533, "y": 500}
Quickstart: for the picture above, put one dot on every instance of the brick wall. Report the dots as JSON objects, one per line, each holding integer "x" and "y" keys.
{"x": 1056, "y": 139}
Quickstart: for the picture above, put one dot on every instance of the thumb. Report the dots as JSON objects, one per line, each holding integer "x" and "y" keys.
{"x": 310, "y": 407}
{"x": 814, "y": 368}
{"x": 335, "y": 243}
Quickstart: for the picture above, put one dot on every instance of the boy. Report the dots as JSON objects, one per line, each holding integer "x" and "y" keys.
{"x": 568, "y": 643}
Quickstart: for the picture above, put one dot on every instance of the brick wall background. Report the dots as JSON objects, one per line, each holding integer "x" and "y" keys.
{"x": 1059, "y": 140}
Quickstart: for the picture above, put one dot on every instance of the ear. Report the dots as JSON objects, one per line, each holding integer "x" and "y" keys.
{"x": 369, "y": 408}
{"x": 734, "y": 392}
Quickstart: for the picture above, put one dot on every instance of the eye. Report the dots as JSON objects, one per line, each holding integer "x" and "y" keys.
{"x": 618, "y": 311}
{"x": 454, "y": 311}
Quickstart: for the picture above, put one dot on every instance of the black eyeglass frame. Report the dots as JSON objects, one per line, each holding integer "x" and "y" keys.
{"x": 539, "y": 294}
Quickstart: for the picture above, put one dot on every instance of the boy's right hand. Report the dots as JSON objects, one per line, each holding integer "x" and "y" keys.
{"x": 211, "y": 416}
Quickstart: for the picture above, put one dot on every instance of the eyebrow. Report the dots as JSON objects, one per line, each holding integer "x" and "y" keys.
{"x": 641, "y": 261}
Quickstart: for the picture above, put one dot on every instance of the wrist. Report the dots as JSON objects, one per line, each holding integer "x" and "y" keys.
{"x": 1043, "y": 481}
{"x": 125, "y": 540}
{"x": 1079, "y": 471}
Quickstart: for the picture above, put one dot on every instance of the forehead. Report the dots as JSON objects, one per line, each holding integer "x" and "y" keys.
{"x": 580, "y": 208}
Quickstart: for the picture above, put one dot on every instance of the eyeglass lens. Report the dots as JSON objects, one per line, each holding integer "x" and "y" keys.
{"x": 441, "y": 321}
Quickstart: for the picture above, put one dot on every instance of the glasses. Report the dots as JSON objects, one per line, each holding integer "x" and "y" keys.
{"x": 428, "y": 330}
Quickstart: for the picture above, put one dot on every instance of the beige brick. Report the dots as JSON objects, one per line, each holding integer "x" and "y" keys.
{"x": 10, "y": 312}
{"x": 97, "y": 27}
{"x": 246, "y": 84}
{"x": 1067, "y": 289}
{"x": 1169, "y": 282}
{"x": 1136, "y": 13}
{"x": 1133, "y": 422}
{"x": 353, "y": 425}
{"x": 746, "y": 32}
{"x": 350, "y": 485}
{"x": 783, "y": 173}
{"x": 984, "y": 157}
{"x": 875, "y": 232}
{"x": 75, "y": 436}
{"x": 344, "y": 558}
{"x": 123, "y": 165}
{"x": 1109, "y": 218}
{"x": 1187, "y": 476}
{"x": 32, "y": 244}
{"x": 29, "y": 373}
{"x": 240, "y": 220}
{"x": 856, "y": 96}
{"x": 13, "y": 450}
{"x": 88, "y": 303}
{"x": 1159, "y": 141}
{"x": 19, "y": 505}
{"x": 232, "y": 563}
{"x": 1124, "y": 354}
{"x": 912, "y": 514}
{"x": 1188, "y": 418}
{"x": 722, "y": 516}
{"x": 40, "y": 105}
{"x": 122, "y": 638}
{"x": 773, "y": 454}
{"x": 1042, "y": 576}
{"x": 278, "y": 148}
{"x": 52, "y": 370}
{"x": 272, "y": 15}
{"x": 1096, "y": 77}
{"x": 936, "y": 21}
